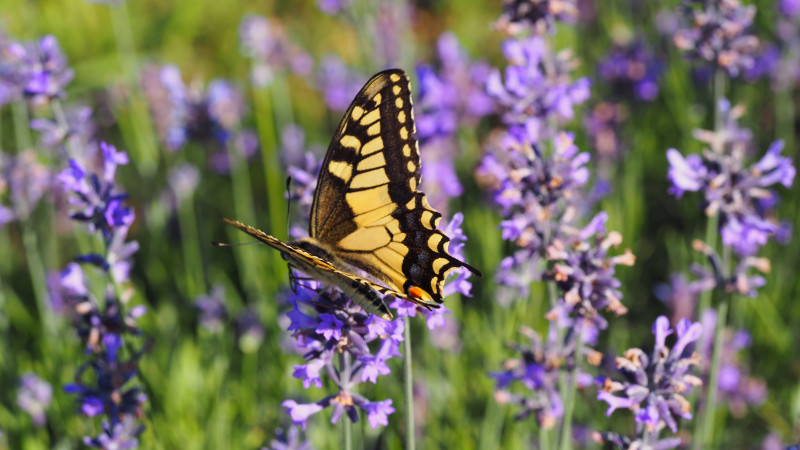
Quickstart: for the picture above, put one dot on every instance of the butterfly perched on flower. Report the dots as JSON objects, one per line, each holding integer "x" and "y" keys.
{"x": 372, "y": 233}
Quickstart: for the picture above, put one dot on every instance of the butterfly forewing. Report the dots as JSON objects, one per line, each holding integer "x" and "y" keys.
{"x": 367, "y": 207}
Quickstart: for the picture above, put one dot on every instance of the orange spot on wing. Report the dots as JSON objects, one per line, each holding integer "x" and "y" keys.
{"x": 416, "y": 292}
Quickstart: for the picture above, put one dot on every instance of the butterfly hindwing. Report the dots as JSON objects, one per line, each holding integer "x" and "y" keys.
{"x": 367, "y": 207}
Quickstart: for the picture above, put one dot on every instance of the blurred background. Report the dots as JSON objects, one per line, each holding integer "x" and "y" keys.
{"x": 116, "y": 310}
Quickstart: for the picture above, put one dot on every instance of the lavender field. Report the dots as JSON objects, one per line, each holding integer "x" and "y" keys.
{"x": 622, "y": 172}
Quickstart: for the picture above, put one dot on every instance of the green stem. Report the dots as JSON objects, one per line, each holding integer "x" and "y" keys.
{"x": 408, "y": 383}
{"x": 243, "y": 208}
{"x": 711, "y": 240}
{"x": 192, "y": 256}
{"x": 21, "y": 135}
{"x": 569, "y": 401}
{"x": 145, "y": 148}
{"x": 276, "y": 203}
{"x": 344, "y": 379}
{"x": 31, "y": 244}
{"x": 707, "y": 437}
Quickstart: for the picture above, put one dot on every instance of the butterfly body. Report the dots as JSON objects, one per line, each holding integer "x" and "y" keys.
{"x": 368, "y": 216}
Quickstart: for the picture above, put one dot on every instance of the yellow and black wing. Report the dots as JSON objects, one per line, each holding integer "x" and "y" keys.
{"x": 367, "y": 208}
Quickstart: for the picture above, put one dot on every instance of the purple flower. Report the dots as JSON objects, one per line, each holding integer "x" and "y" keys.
{"x": 539, "y": 368}
{"x": 167, "y": 97}
{"x": 536, "y": 16}
{"x": 624, "y": 442}
{"x": 715, "y": 31}
{"x": 34, "y": 397}
{"x": 38, "y": 71}
{"x": 536, "y": 89}
{"x": 300, "y": 412}
{"x": 735, "y": 386}
{"x": 249, "y": 330}
{"x": 271, "y": 51}
{"x": 95, "y": 197}
{"x": 736, "y": 192}
{"x": 338, "y": 83}
{"x": 288, "y": 441}
{"x": 79, "y": 127}
{"x": 604, "y": 125}
{"x": 212, "y": 310}
{"x": 789, "y": 7}
{"x": 452, "y": 96}
{"x": 632, "y": 70}
{"x": 378, "y": 412}
{"x": 333, "y": 7}
{"x": 121, "y": 435}
{"x": 653, "y": 386}
{"x": 27, "y": 181}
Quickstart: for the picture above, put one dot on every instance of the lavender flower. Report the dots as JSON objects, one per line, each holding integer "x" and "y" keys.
{"x": 338, "y": 83}
{"x": 537, "y": 91}
{"x": 249, "y": 330}
{"x": 740, "y": 195}
{"x": 585, "y": 273}
{"x": 38, "y": 71}
{"x": 212, "y": 309}
{"x": 735, "y": 385}
{"x": 653, "y": 386}
{"x": 539, "y": 368}
{"x": 26, "y": 180}
{"x": 79, "y": 127}
{"x": 790, "y": 8}
{"x": 123, "y": 434}
{"x": 536, "y": 16}
{"x": 267, "y": 44}
{"x": 624, "y": 442}
{"x": 290, "y": 440}
{"x": 168, "y": 99}
{"x": 453, "y": 96}
{"x": 34, "y": 397}
{"x": 632, "y": 70}
{"x": 183, "y": 180}
{"x": 604, "y": 126}
{"x": 98, "y": 203}
{"x": 715, "y": 31}
{"x": 333, "y": 7}
{"x": 330, "y": 325}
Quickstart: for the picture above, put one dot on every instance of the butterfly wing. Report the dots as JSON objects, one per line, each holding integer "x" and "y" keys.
{"x": 367, "y": 207}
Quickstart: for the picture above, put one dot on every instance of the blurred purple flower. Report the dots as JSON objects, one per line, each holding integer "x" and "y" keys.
{"x": 167, "y": 96}
{"x": 735, "y": 386}
{"x": 267, "y": 44}
{"x": 249, "y": 330}
{"x": 790, "y": 8}
{"x": 735, "y": 192}
{"x": 79, "y": 127}
{"x": 539, "y": 368}
{"x": 333, "y": 7}
{"x": 212, "y": 311}
{"x": 122, "y": 434}
{"x": 632, "y": 70}
{"x": 603, "y": 124}
{"x": 338, "y": 83}
{"x": 290, "y": 440}
{"x": 452, "y": 96}
{"x": 183, "y": 180}
{"x": 26, "y": 181}
{"x": 715, "y": 31}
{"x": 654, "y": 385}
{"x": 537, "y": 16}
{"x": 624, "y": 442}
{"x": 536, "y": 90}
{"x": 38, "y": 71}
{"x": 34, "y": 397}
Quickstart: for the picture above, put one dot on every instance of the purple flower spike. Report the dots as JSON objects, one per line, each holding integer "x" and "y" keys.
{"x": 38, "y": 71}
{"x": 378, "y": 412}
{"x": 34, "y": 397}
{"x": 716, "y": 32}
{"x": 654, "y": 386}
{"x": 740, "y": 195}
{"x": 537, "y": 16}
{"x": 267, "y": 44}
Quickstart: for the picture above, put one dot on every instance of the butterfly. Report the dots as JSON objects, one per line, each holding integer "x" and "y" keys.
{"x": 372, "y": 233}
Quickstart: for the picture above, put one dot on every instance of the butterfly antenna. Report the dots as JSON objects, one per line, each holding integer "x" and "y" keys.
{"x": 225, "y": 244}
